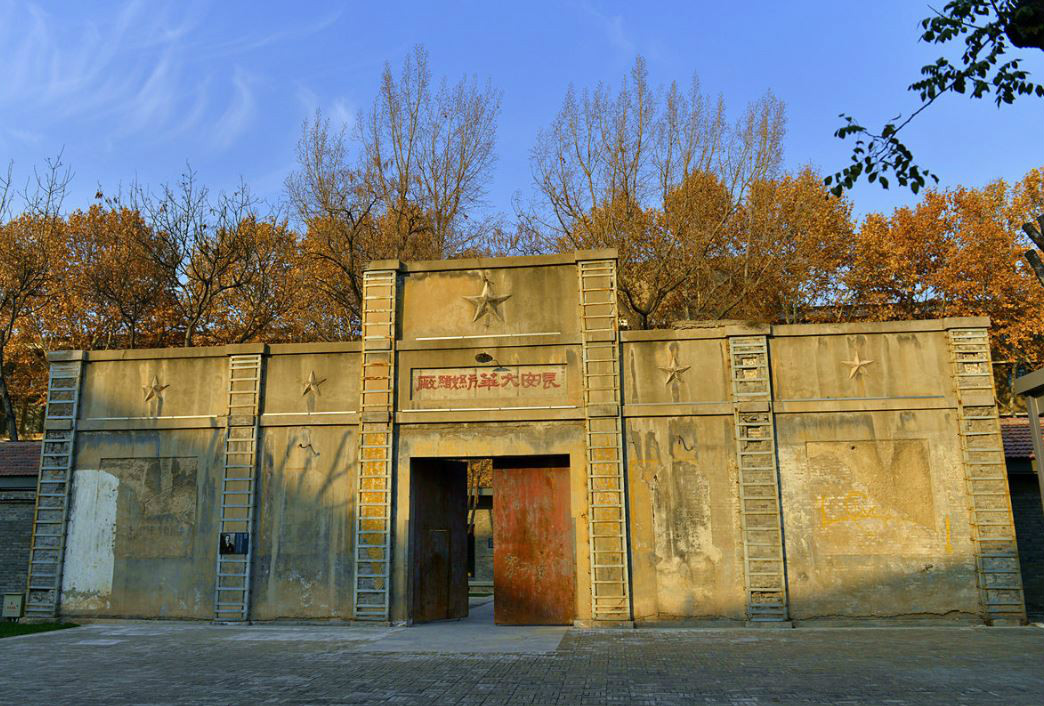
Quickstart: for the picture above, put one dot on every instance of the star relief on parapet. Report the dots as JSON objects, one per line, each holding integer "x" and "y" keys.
{"x": 487, "y": 302}
{"x": 673, "y": 370}
{"x": 856, "y": 365}
{"x": 154, "y": 390}
{"x": 312, "y": 384}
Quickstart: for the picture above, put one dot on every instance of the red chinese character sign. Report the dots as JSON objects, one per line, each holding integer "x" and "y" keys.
{"x": 489, "y": 382}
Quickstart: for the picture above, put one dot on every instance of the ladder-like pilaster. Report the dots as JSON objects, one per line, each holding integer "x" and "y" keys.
{"x": 986, "y": 479}
{"x": 606, "y": 488}
{"x": 47, "y": 548}
{"x": 238, "y": 490}
{"x": 760, "y": 519}
{"x": 376, "y": 438}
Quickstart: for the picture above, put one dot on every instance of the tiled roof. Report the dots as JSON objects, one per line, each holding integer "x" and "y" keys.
{"x": 19, "y": 458}
{"x": 1016, "y": 434}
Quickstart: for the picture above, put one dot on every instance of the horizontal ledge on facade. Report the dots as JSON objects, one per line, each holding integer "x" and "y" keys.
{"x": 150, "y": 423}
{"x": 491, "y": 414}
{"x": 66, "y": 356}
{"x": 313, "y": 348}
{"x": 510, "y": 408}
{"x": 752, "y": 406}
{"x": 519, "y": 340}
{"x": 677, "y": 409}
{"x": 290, "y": 419}
{"x": 692, "y": 334}
{"x": 169, "y": 353}
{"x": 863, "y": 404}
{"x": 492, "y": 263}
{"x": 906, "y": 326}
{"x": 710, "y": 330}
{"x": 603, "y": 410}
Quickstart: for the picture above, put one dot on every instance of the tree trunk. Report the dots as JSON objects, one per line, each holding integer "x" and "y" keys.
{"x": 6, "y": 406}
{"x": 23, "y": 418}
{"x": 1033, "y": 258}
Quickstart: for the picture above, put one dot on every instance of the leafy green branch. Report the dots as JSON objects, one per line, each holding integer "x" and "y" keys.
{"x": 989, "y": 29}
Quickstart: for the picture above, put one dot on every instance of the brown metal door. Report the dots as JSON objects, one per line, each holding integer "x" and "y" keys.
{"x": 534, "y": 567}
{"x": 438, "y": 508}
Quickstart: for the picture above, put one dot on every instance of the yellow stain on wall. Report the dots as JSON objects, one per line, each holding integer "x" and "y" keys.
{"x": 949, "y": 547}
{"x": 855, "y": 505}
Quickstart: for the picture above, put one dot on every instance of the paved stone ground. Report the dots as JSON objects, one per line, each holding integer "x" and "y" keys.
{"x": 181, "y": 663}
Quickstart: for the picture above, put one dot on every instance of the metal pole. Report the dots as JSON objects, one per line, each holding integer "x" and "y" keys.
{"x": 1034, "y": 404}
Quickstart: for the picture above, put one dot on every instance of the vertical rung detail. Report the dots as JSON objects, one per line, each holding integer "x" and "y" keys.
{"x": 370, "y": 598}
{"x": 603, "y": 426}
{"x": 51, "y": 512}
{"x": 998, "y": 576}
{"x": 760, "y": 520}
{"x": 232, "y": 576}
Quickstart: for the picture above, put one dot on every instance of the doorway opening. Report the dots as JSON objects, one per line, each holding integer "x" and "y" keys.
{"x": 502, "y": 524}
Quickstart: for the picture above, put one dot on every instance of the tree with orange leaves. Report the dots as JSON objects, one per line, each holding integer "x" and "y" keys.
{"x": 26, "y": 245}
{"x": 118, "y": 290}
{"x": 956, "y": 253}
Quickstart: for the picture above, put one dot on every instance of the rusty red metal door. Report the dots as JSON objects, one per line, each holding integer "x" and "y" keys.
{"x": 534, "y": 564}
{"x": 438, "y": 516}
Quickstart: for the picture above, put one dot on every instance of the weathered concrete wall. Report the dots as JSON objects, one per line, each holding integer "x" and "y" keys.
{"x": 143, "y": 518}
{"x": 303, "y": 560}
{"x": 688, "y": 560}
{"x": 435, "y": 302}
{"x": 873, "y": 491}
{"x": 142, "y": 524}
{"x": 489, "y": 363}
{"x": 874, "y": 516}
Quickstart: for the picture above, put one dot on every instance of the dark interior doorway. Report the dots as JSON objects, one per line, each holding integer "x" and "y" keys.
{"x": 532, "y": 540}
{"x": 438, "y": 511}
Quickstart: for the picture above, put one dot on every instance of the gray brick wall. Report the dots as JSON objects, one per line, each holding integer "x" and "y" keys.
{"x": 1029, "y": 530}
{"x": 16, "y": 529}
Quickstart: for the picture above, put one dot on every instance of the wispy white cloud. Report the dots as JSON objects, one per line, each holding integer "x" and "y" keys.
{"x": 613, "y": 28}
{"x": 306, "y": 98}
{"x": 148, "y": 71}
{"x": 342, "y": 114}
{"x": 252, "y": 43}
{"x": 239, "y": 112}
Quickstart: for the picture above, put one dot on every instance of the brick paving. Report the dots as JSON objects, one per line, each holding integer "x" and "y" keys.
{"x": 182, "y": 663}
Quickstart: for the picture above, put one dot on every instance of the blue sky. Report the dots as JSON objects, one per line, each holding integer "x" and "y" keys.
{"x": 134, "y": 90}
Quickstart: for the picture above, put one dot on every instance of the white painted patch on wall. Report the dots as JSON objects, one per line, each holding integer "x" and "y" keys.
{"x": 90, "y": 541}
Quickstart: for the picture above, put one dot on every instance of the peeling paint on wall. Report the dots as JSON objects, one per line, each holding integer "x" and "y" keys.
{"x": 90, "y": 545}
{"x": 676, "y": 460}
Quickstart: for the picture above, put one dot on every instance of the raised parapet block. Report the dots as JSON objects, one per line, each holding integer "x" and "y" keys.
{"x": 514, "y": 300}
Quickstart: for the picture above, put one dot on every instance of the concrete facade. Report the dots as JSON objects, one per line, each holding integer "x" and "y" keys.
{"x": 719, "y": 474}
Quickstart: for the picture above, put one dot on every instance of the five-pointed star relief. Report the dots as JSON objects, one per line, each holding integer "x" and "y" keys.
{"x": 312, "y": 384}
{"x": 487, "y": 302}
{"x": 673, "y": 370}
{"x": 154, "y": 389}
{"x": 856, "y": 364}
